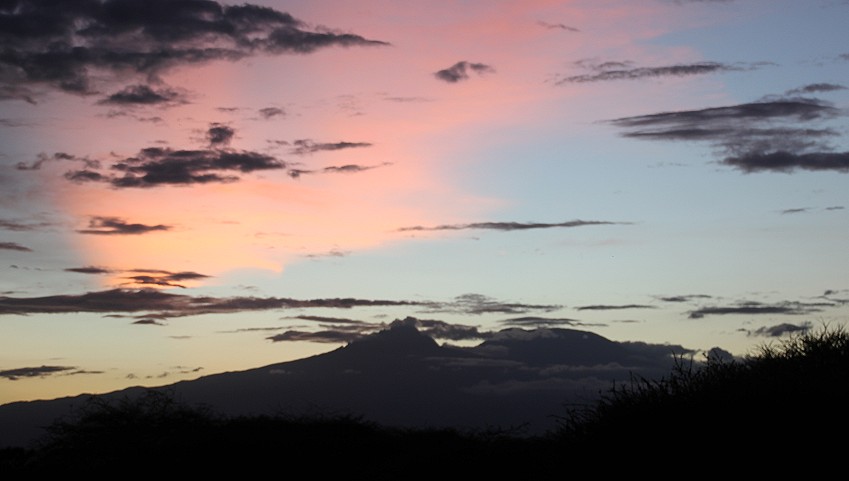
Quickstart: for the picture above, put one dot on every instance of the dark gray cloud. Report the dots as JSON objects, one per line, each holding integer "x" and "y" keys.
{"x": 510, "y": 226}
{"x": 349, "y": 168}
{"x": 605, "y": 307}
{"x": 752, "y": 137}
{"x": 58, "y": 156}
{"x": 779, "y": 330}
{"x": 480, "y": 304}
{"x": 307, "y": 146}
{"x": 330, "y": 336}
{"x": 443, "y": 330}
{"x": 684, "y": 298}
{"x": 623, "y": 71}
{"x": 160, "y": 305}
{"x": 783, "y": 161}
{"x": 219, "y": 135}
{"x": 835, "y": 207}
{"x": 157, "y": 166}
{"x": 335, "y": 169}
{"x": 757, "y": 308}
{"x": 14, "y": 246}
{"x": 149, "y": 322}
{"x": 88, "y": 270}
{"x": 162, "y": 278}
{"x": 271, "y": 112}
{"x": 117, "y": 226}
{"x": 557, "y": 26}
{"x": 42, "y": 371}
{"x": 52, "y": 44}
{"x": 797, "y": 210}
{"x": 460, "y": 71}
{"x": 83, "y": 176}
{"x": 815, "y": 88}
{"x": 139, "y": 95}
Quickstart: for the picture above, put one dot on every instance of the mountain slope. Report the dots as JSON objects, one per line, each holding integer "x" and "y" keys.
{"x": 402, "y": 377}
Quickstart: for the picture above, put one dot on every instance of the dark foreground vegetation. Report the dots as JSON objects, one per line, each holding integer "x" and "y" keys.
{"x": 785, "y": 402}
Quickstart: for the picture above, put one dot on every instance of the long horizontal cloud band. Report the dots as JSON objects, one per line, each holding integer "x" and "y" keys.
{"x": 175, "y": 305}
{"x": 509, "y": 226}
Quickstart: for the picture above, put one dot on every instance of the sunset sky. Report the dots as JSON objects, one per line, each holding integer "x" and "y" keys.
{"x": 192, "y": 187}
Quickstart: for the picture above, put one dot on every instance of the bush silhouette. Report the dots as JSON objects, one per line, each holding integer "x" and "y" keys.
{"x": 792, "y": 396}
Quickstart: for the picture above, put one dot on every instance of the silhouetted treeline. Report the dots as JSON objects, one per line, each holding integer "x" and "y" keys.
{"x": 786, "y": 400}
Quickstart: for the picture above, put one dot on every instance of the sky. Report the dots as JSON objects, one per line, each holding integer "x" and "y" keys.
{"x": 194, "y": 187}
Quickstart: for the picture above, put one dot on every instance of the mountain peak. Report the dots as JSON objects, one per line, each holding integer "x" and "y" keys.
{"x": 402, "y": 335}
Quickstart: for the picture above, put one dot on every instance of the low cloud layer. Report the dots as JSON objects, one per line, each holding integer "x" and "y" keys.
{"x": 460, "y": 71}
{"x": 158, "y": 304}
{"x": 73, "y": 46}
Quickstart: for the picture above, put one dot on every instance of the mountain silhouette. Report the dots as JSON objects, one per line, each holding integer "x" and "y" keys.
{"x": 516, "y": 379}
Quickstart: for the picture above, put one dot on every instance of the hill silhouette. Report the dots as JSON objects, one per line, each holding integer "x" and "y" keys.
{"x": 401, "y": 377}
{"x": 786, "y": 400}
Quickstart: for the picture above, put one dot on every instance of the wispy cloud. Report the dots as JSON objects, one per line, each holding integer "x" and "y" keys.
{"x": 335, "y": 169}
{"x": 480, "y": 304}
{"x": 117, "y": 226}
{"x": 607, "y": 71}
{"x": 22, "y": 226}
{"x": 144, "y": 95}
{"x": 779, "y": 330}
{"x": 510, "y": 226}
{"x": 307, "y": 146}
{"x": 754, "y": 137}
{"x": 42, "y": 371}
{"x": 537, "y": 322}
{"x": 460, "y": 71}
{"x": 73, "y": 47}
{"x": 14, "y": 246}
{"x": 88, "y": 270}
{"x": 815, "y": 88}
{"x": 758, "y": 308}
{"x": 268, "y": 113}
{"x": 326, "y": 336}
{"x": 684, "y": 298}
{"x": 557, "y": 26}
{"x": 607, "y": 307}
